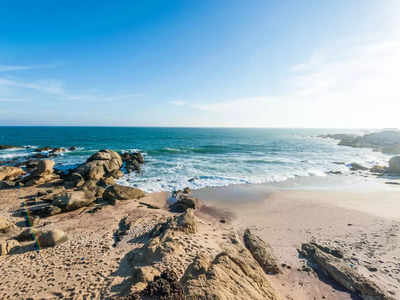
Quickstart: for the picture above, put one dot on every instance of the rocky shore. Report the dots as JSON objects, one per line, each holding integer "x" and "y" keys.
{"x": 79, "y": 235}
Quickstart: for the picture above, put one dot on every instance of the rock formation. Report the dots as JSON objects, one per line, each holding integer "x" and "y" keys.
{"x": 120, "y": 192}
{"x": 184, "y": 200}
{"x": 9, "y": 173}
{"x": 340, "y": 271}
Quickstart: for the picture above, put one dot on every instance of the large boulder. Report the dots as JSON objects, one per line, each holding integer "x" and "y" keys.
{"x": 42, "y": 173}
{"x": 132, "y": 161}
{"x": 52, "y": 238}
{"x": 261, "y": 252}
{"x": 120, "y": 192}
{"x": 10, "y": 173}
{"x": 73, "y": 200}
{"x": 102, "y": 164}
{"x": 394, "y": 165}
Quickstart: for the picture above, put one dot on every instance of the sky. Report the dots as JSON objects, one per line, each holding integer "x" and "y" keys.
{"x": 230, "y": 63}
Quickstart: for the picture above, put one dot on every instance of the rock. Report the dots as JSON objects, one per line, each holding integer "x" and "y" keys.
{"x": 183, "y": 202}
{"x": 5, "y": 147}
{"x": 102, "y": 164}
{"x": 165, "y": 286}
{"x": 28, "y": 235}
{"x": 335, "y": 172}
{"x": 8, "y": 247}
{"x": 186, "y": 222}
{"x": 74, "y": 180}
{"x": 120, "y": 192}
{"x": 5, "y": 225}
{"x": 72, "y": 148}
{"x": 342, "y": 273}
{"x": 9, "y": 173}
{"x": 41, "y": 149}
{"x": 52, "y": 238}
{"x": 44, "y": 210}
{"x": 57, "y": 150}
{"x": 6, "y": 184}
{"x": 394, "y": 165}
{"x": 73, "y": 200}
{"x": 132, "y": 161}
{"x": 219, "y": 278}
{"x": 357, "y": 167}
{"x": 262, "y": 252}
{"x": 378, "y": 169}
{"x": 42, "y": 173}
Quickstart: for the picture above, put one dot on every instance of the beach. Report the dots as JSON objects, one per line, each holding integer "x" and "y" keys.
{"x": 362, "y": 222}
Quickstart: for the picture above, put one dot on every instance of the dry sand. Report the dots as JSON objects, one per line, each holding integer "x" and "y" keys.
{"x": 361, "y": 216}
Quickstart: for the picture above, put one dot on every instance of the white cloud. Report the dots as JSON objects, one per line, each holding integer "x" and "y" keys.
{"x": 9, "y": 68}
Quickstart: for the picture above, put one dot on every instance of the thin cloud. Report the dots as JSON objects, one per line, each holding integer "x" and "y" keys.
{"x": 11, "y": 68}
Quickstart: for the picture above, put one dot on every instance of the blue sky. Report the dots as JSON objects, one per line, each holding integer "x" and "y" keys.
{"x": 200, "y": 63}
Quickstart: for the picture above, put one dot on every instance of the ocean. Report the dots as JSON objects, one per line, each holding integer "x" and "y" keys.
{"x": 198, "y": 157}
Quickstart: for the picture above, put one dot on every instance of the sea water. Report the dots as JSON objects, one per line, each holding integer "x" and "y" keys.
{"x": 197, "y": 157}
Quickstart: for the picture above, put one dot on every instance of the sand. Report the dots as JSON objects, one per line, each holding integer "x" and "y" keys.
{"x": 359, "y": 215}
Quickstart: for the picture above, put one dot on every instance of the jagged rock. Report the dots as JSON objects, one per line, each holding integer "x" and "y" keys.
{"x": 357, "y": 167}
{"x": 165, "y": 287}
{"x": 262, "y": 252}
{"x": 8, "y": 247}
{"x": 120, "y": 192}
{"x": 73, "y": 200}
{"x": 9, "y": 173}
{"x": 52, "y": 238}
{"x": 218, "y": 278}
{"x": 342, "y": 273}
{"x": 5, "y": 225}
{"x": 394, "y": 165}
{"x": 101, "y": 164}
{"x": 184, "y": 200}
{"x": 132, "y": 161}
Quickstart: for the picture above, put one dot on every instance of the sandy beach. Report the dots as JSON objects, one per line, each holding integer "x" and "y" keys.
{"x": 359, "y": 215}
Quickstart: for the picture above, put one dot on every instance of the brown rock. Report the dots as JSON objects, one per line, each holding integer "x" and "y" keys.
{"x": 52, "y": 238}
{"x": 9, "y": 173}
{"x": 8, "y": 247}
{"x": 262, "y": 252}
{"x": 5, "y": 225}
{"x": 342, "y": 273}
{"x": 120, "y": 192}
{"x": 73, "y": 200}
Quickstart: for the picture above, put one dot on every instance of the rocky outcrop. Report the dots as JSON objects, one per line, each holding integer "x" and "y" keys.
{"x": 5, "y": 147}
{"x": 183, "y": 200}
{"x": 52, "y": 238}
{"x": 132, "y": 161}
{"x": 262, "y": 252}
{"x": 9, "y": 173}
{"x": 74, "y": 180}
{"x": 43, "y": 173}
{"x": 8, "y": 246}
{"x": 340, "y": 271}
{"x": 120, "y": 192}
{"x": 387, "y": 141}
{"x": 218, "y": 278}
{"x": 394, "y": 165}
{"x": 73, "y": 200}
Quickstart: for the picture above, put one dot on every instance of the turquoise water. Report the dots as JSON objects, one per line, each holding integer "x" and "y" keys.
{"x": 197, "y": 157}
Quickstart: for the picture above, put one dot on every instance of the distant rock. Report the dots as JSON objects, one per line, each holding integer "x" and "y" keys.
{"x": 120, "y": 192}
{"x": 387, "y": 141}
{"x": 357, "y": 167}
{"x": 132, "y": 161}
{"x": 5, "y": 147}
{"x": 261, "y": 252}
{"x": 394, "y": 165}
{"x": 52, "y": 238}
{"x": 72, "y": 148}
{"x": 45, "y": 148}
